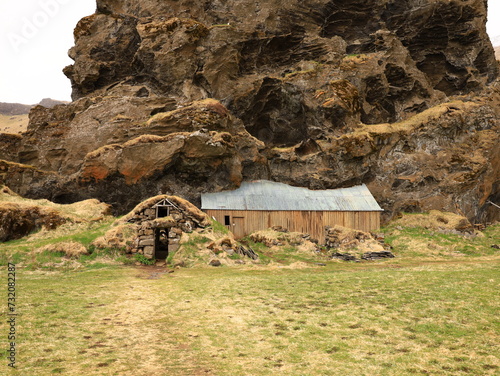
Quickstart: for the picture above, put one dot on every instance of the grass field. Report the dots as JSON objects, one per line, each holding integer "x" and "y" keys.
{"x": 13, "y": 123}
{"x": 379, "y": 318}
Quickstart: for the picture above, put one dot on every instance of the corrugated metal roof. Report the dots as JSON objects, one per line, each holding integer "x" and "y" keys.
{"x": 268, "y": 195}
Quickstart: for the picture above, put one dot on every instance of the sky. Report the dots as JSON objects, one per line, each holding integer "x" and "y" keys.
{"x": 35, "y": 36}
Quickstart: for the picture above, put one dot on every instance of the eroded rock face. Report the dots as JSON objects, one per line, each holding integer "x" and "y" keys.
{"x": 183, "y": 97}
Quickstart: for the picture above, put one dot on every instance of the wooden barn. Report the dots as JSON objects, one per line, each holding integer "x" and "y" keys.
{"x": 263, "y": 204}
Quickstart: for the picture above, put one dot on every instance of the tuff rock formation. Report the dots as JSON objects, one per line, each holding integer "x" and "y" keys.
{"x": 182, "y": 97}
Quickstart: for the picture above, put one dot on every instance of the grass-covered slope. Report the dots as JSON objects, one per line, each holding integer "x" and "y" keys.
{"x": 46, "y": 234}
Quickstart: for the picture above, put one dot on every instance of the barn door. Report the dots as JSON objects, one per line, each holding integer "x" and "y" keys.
{"x": 238, "y": 227}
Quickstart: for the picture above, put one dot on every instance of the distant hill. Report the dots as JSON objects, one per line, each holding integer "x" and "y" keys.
{"x": 496, "y": 45}
{"x": 48, "y": 102}
{"x": 14, "y": 108}
{"x": 14, "y": 116}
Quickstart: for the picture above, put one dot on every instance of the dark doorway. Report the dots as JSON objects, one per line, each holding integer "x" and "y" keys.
{"x": 161, "y": 243}
{"x": 162, "y": 211}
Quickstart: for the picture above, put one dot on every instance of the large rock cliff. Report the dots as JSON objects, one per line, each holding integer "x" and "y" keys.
{"x": 181, "y": 97}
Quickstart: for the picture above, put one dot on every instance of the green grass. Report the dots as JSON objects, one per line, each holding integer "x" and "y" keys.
{"x": 285, "y": 255}
{"x": 414, "y": 242}
{"x": 143, "y": 260}
{"x": 431, "y": 310}
{"x": 189, "y": 253}
{"x": 261, "y": 249}
{"x": 219, "y": 228}
{"x": 20, "y": 251}
{"x": 438, "y": 318}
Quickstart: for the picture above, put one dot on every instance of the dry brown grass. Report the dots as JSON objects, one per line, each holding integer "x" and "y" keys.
{"x": 208, "y": 104}
{"x": 4, "y": 190}
{"x": 348, "y": 239}
{"x": 434, "y": 220}
{"x": 84, "y": 210}
{"x": 183, "y": 204}
{"x": 146, "y": 139}
{"x": 46, "y": 226}
{"x": 13, "y": 123}
{"x": 70, "y": 249}
{"x": 102, "y": 150}
{"x": 420, "y": 120}
{"x": 119, "y": 237}
{"x": 17, "y": 220}
{"x": 275, "y": 240}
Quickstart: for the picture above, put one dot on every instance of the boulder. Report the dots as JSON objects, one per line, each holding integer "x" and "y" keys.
{"x": 215, "y": 262}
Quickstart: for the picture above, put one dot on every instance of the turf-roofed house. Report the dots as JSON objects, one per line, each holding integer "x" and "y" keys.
{"x": 263, "y": 204}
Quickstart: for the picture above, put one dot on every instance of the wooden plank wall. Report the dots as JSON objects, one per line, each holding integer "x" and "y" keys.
{"x": 309, "y": 222}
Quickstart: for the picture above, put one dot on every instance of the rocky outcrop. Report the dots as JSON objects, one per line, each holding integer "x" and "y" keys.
{"x": 184, "y": 97}
{"x": 356, "y": 245}
{"x": 446, "y": 157}
{"x": 27, "y": 180}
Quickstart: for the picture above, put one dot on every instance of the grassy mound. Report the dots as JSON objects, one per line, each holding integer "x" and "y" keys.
{"x": 440, "y": 235}
{"x": 40, "y": 233}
